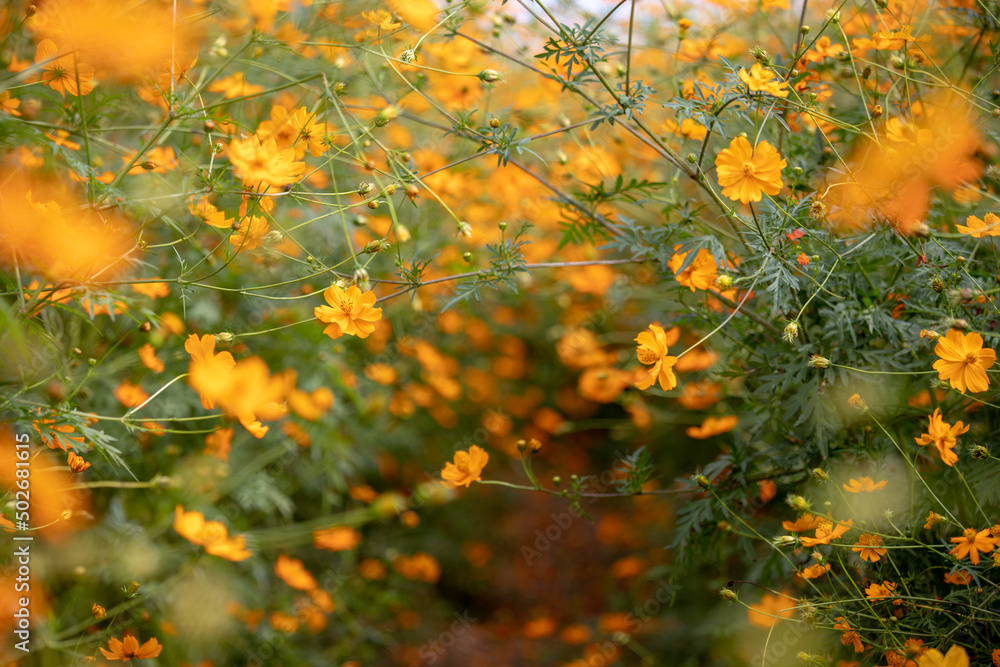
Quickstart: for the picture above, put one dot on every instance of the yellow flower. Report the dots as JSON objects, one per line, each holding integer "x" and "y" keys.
{"x": 977, "y": 229}
{"x": 652, "y": 349}
{"x": 869, "y": 547}
{"x": 380, "y": 18}
{"x": 712, "y": 426}
{"x": 263, "y": 164}
{"x": 210, "y": 534}
{"x": 972, "y": 543}
{"x": 943, "y": 435}
{"x": 772, "y": 608}
{"x": 76, "y": 462}
{"x": 467, "y": 468}
{"x": 128, "y": 649}
{"x": 351, "y": 314}
{"x": 251, "y": 233}
{"x": 701, "y": 273}
{"x": 762, "y": 80}
{"x": 62, "y": 73}
{"x": 745, "y": 172}
{"x": 294, "y": 573}
{"x": 963, "y": 361}
{"x": 863, "y": 484}
{"x": 957, "y": 657}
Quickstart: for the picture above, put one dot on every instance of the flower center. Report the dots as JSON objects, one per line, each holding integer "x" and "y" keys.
{"x": 970, "y": 534}
{"x": 971, "y": 357}
{"x": 646, "y": 355}
{"x": 747, "y": 169}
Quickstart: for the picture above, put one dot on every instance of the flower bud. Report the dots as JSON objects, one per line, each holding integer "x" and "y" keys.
{"x": 408, "y": 56}
{"x": 858, "y": 403}
{"x": 373, "y": 204}
{"x": 797, "y": 503}
{"x": 464, "y": 229}
{"x": 791, "y": 332}
{"x": 729, "y": 595}
{"x": 702, "y": 481}
{"x": 494, "y": 123}
{"x": 225, "y": 337}
{"x": 780, "y": 541}
{"x": 386, "y": 115}
{"x": 98, "y": 611}
{"x": 132, "y": 589}
{"x": 724, "y": 282}
{"x": 491, "y": 76}
{"x": 816, "y": 361}
{"x": 979, "y": 452}
{"x": 820, "y": 474}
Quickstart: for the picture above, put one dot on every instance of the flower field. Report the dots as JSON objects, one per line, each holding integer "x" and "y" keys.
{"x": 500, "y": 332}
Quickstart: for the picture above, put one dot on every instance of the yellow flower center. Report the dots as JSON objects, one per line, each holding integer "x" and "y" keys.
{"x": 970, "y": 534}
{"x": 971, "y": 357}
{"x": 747, "y": 169}
{"x": 646, "y": 355}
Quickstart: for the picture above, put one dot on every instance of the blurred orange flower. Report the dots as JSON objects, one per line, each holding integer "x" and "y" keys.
{"x": 771, "y": 609}
{"x": 128, "y": 649}
{"x": 713, "y": 426}
{"x": 211, "y": 535}
{"x": 863, "y": 485}
{"x": 467, "y": 468}
{"x": 294, "y": 573}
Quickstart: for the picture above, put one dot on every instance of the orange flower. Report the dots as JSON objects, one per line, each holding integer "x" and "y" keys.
{"x": 579, "y": 348}
{"x": 147, "y": 354}
{"x": 699, "y": 274}
{"x": 130, "y": 395}
{"x": 652, "y": 349}
{"x": 61, "y": 73}
{"x": 977, "y": 229}
{"x": 234, "y": 86}
{"x": 826, "y": 531}
{"x": 251, "y": 232}
{"x": 218, "y": 443}
{"x": 762, "y": 80}
{"x": 745, "y": 172}
{"x": 467, "y": 468}
{"x": 128, "y": 649}
{"x": 802, "y": 524}
{"x": 421, "y": 14}
{"x": 960, "y": 578}
{"x": 868, "y": 547}
{"x": 712, "y": 426}
{"x": 247, "y": 392}
{"x": 771, "y": 609}
{"x": 971, "y": 544}
{"x": 957, "y": 657}
{"x": 878, "y": 591}
{"x": 209, "y": 534}
{"x": 294, "y": 573}
{"x": 963, "y": 361}
{"x": 943, "y": 435}
{"x": 205, "y": 363}
{"x": 339, "y": 538}
{"x": 76, "y": 463}
{"x": 418, "y": 567}
{"x": 209, "y": 214}
{"x": 932, "y": 519}
{"x": 351, "y": 314}
{"x": 602, "y": 384}
{"x": 863, "y": 484}
{"x": 814, "y": 571}
{"x": 849, "y": 636}
{"x": 262, "y": 164}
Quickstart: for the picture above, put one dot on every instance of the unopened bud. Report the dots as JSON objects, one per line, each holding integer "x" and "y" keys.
{"x": 820, "y": 474}
{"x": 386, "y": 115}
{"x": 494, "y": 123}
{"x": 791, "y": 332}
{"x": 797, "y": 503}
{"x": 98, "y": 611}
{"x": 784, "y": 541}
{"x": 729, "y": 595}
{"x": 491, "y": 76}
{"x": 816, "y": 361}
{"x": 702, "y": 481}
{"x": 979, "y": 452}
